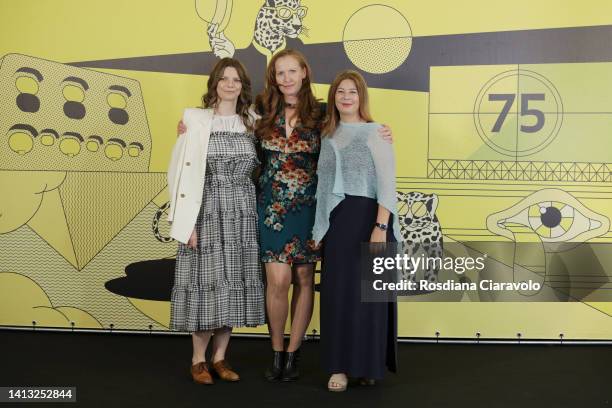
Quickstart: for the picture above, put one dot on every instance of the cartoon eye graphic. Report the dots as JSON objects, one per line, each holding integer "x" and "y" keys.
{"x": 554, "y": 215}
{"x": 117, "y": 101}
{"x": 416, "y": 205}
{"x": 21, "y": 138}
{"x": 27, "y": 83}
{"x": 93, "y": 143}
{"x": 70, "y": 144}
{"x": 74, "y": 94}
{"x": 114, "y": 149}
{"x": 551, "y": 219}
{"x": 418, "y": 209}
{"x": 48, "y": 137}
{"x": 286, "y": 13}
{"x": 403, "y": 210}
{"x": 135, "y": 149}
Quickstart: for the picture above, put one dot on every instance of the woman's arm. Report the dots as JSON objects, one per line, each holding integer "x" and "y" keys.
{"x": 257, "y": 170}
{"x": 384, "y": 166}
{"x": 193, "y": 240}
{"x": 379, "y": 234}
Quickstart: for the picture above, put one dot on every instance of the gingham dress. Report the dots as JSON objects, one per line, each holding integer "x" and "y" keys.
{"x": 220, "y": 283}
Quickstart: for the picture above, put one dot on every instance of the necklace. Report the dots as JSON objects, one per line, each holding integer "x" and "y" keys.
{"x": 290, "y": 105}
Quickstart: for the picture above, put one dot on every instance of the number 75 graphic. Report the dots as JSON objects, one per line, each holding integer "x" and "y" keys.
{"x": 525, "y": 110}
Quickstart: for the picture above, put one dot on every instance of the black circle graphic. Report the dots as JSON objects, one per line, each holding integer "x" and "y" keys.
{"x": 118, "y": 116}
{"x": 28, "y": 102}
{"x": 74, "y": 110}
{"x": 551, "y": 217}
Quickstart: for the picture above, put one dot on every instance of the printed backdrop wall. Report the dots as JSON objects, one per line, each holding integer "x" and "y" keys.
{"x": 501, "y": 113}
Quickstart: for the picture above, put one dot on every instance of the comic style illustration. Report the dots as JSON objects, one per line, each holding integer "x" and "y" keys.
{"x": 500, "y": 133}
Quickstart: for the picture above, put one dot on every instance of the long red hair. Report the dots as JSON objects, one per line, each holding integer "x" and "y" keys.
{"x": 271, "y": 102}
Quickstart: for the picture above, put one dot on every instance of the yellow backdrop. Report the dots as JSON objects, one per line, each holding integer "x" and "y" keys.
{"x": 499, "y": 112}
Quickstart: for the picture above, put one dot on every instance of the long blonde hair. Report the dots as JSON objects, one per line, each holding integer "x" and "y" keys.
{"x": 333, "y": 116}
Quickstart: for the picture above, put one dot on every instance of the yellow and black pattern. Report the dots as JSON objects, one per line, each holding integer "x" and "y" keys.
{"x": 58, "y": 117}
{"x": 500, "y": 116}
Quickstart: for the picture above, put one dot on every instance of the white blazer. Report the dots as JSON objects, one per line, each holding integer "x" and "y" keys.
{"x": 186, "y": 173}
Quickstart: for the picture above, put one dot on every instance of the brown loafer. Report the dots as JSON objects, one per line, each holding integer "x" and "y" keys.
{"x": 224, "y": 371}
{"x": 201, "y": 374}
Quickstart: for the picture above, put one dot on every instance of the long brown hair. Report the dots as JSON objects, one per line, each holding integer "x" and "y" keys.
{"x": 245, "y": 99}
{"x": 333, "y": 116}
{"x": 271, "y": 103}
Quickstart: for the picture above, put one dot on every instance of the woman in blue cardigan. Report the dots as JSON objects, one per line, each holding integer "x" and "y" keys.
{"x": 356, "y": 202}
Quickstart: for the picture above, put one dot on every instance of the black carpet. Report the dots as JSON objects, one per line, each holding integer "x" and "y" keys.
{"x": 121, "y": 370}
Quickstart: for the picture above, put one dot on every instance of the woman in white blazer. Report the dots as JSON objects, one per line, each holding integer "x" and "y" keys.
{"x": 218, "y": 282}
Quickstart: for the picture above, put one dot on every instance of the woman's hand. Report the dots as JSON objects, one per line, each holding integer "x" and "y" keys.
{"x": 193, "y": 240}
{"x": 378, "y": 235}
{"x": 385, "y": 132}
{"x": 180, "y": 128}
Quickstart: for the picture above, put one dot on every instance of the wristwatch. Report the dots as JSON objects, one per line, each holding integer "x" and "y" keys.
{"x": 381, "y": 226}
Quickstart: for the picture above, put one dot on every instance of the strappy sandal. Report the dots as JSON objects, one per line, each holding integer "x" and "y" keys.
{"x": 337, "y": 383}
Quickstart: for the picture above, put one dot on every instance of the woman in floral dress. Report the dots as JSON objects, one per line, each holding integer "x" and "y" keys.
{"x": 289, "y": 131}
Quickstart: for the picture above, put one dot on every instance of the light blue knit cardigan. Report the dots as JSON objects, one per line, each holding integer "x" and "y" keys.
{"x": 355, "y": 160}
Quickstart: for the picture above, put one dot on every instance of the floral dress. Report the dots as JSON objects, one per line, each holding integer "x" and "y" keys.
{"x": 286, "y": 202}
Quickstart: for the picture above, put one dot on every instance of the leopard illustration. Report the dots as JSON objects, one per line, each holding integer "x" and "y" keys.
{"x": 276, "y": 20}
{"x": 420, "y": 229}
{"x": 159, "y": 214}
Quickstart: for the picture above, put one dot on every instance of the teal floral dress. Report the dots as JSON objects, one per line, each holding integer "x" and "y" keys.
{"x": 286, "y": 200}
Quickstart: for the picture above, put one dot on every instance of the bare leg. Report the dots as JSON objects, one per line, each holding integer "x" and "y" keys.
{"x": 278, "y": 278}
{"x": 220, "y": 342}
{"x": 294, "y": 296}
{"x": 200, "y": 341}
{"x": 303, "y": 296}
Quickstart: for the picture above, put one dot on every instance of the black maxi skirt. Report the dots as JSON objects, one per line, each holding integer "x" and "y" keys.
{"x": 358, "y": 339}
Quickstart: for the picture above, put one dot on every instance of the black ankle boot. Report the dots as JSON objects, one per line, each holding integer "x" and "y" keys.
{"x": 290, "y": 370}
{"x": 274, "y": 372}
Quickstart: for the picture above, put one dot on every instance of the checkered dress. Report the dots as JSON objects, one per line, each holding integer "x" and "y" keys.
{"x": 220, "y": 283}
